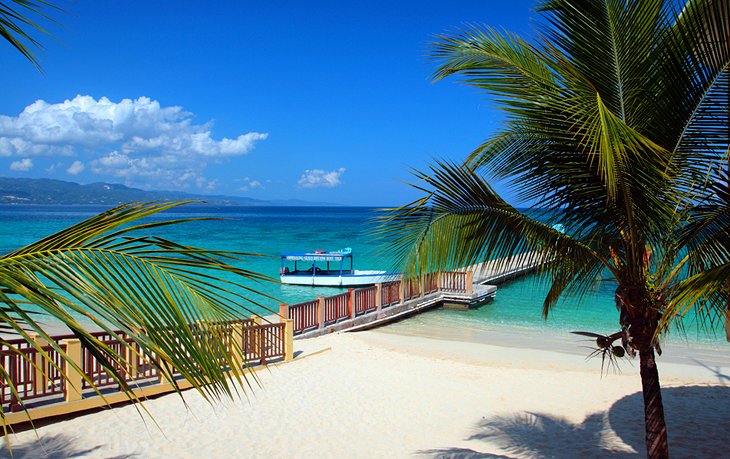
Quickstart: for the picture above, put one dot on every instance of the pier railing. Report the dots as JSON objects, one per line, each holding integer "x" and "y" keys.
{"x": 390, "y": 293}
{"x": 365, "y": 300}
{"x": 305, "y": 315}
{"x": 454, "y": 281}
{"x": 49, "y": 384}
{"x": 337, "y": 307}
{"x": 325, "y": 311}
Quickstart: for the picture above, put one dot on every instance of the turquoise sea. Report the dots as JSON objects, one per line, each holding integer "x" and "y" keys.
{"x": 272, "y": 230}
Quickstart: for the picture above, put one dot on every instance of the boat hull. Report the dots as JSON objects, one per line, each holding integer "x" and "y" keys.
{"x": 357, "y": 278}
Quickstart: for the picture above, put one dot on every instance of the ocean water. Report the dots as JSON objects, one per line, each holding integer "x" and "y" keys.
{"x": 264, "y": 231}
{"x": 270, "y": 231}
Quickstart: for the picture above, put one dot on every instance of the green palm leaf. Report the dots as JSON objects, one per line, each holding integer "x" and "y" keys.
{"x": 15, "y": 22}
{"x": 162, "y": 295}
{"x": 464, "y": 222}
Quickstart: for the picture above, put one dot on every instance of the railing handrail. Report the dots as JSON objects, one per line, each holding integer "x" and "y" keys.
{"x": 317, "y": 313}
{"x": 37, "y": 376}
{"x": 307, "y": 315}
{"x": 336, "y": 307}
{"x": 304, "y": 304}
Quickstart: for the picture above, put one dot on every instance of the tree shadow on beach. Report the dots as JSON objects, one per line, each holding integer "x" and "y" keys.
{"x": 698, "y": 422}
{"x": 57, "y": 446}
{"x": 543, "y": 435}
{"x": 460, "y": 453}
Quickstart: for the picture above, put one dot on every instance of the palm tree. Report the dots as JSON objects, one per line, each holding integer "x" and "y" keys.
{"x": 160, "y": 295}
{"x": 616, "y": 128}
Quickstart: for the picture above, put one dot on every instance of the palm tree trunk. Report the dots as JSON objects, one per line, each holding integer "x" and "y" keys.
{"x": 657, "y": 446}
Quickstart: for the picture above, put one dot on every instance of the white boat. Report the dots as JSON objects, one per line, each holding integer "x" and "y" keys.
{"x": 327, "y": 269}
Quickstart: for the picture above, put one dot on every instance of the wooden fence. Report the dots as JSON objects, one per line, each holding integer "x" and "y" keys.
{"x": 365, "y": 300}
{"x": 455, "y": 281}
{"x": 337, "y": 307}
{"x": 39, "y": 380}
{"x": 324, "y": 311}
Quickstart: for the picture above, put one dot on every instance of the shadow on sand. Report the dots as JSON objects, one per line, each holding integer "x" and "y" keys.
{"x": 698, "y": 421}
{"x": 48, "y": 447}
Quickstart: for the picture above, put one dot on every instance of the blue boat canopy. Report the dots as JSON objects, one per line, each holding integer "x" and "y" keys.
{"x": 319, "y": 255}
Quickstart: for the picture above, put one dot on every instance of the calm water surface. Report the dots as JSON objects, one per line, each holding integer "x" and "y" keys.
{"x": 270, "y": 231}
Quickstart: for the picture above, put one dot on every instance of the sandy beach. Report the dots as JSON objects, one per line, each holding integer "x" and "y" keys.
{"x": 384, "y": 393}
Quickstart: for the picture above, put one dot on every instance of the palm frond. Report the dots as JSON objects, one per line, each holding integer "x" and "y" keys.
{"x": 607, "y": 42}
{"x": 502, "y": 63}
{"x": 15, "y": 20}
{"x": 706, "y": 293}
{"x": 462, "y": 222}
{"x": 707, "y": 230}
{"x": 564, "y": 145}
{"x": 162, "y": 295}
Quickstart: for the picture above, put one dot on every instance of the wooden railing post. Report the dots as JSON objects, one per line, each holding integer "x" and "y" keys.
{"x": 288, "y": 339}
{"x": 401, "y": 291}
{"x": 74, "y": 377}
{"x": 378, "y": 297}
{"x": 469, "y": 280}
{"x": 132, "y": 357}
{"x": 237, "y": 347}
{"x": 320, "y": 311}
{"x": 257, "y": 338}
{"x": 283, "y": 312}
{"x": 351, "y": 302}
{"x": 39, "y": 376}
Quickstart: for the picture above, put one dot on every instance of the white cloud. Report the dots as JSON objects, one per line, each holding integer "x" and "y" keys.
{"x": 23, "y": 165}
{"x": 76, "y": 168}
{"x": 249, "y": 184}
{"x": 138, "y": 140}
{"x": 205, "y": 184}
{"x": 313, "y": 178}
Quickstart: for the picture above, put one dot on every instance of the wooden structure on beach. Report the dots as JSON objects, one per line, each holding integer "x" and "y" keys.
{"x": 369, "y": 307}
{"x": 43, "y": 390}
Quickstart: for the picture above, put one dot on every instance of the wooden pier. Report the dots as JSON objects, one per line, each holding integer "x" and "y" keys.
{"x": 42, "y": 388}
{"x": 495, "y": 272}
{"x": 45, "y": 386}
{"x": 369, "y": 307}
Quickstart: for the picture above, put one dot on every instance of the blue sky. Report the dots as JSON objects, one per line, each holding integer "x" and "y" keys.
{"x": 321, "y": 101}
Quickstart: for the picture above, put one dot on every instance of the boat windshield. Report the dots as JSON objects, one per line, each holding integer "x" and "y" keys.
{"x": 310, "y": 260}
{"x": 317, "y": 256}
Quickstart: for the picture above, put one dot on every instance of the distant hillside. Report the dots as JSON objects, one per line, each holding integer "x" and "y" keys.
{"x": 48, "y": 191}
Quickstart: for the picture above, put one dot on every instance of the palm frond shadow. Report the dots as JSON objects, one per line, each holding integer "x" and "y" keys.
{"x": 544, "y": 435}
{"x": 57, "y": 446}
{"x": 460, "y": 453}
{"x": 699, "y": 427}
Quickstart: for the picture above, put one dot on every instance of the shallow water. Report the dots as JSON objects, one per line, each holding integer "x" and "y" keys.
{"x": 274, "y": 230}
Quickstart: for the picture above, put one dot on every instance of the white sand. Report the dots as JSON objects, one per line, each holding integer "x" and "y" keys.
{"x": 379, "y": 394}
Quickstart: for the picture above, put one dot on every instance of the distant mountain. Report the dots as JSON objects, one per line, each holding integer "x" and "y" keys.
{"x": 49, "y": 191}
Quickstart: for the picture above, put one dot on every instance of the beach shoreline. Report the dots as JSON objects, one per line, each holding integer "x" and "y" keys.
{"x": 385, "y": 394}
{"x": 676, "y": 351}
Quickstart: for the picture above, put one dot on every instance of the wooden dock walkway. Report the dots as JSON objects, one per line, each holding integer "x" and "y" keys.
{"x": 369, "y": 307}
{"x": 495, "y": 272}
